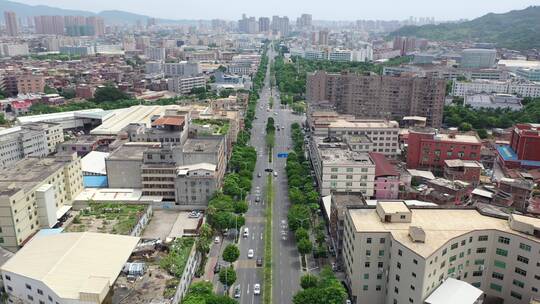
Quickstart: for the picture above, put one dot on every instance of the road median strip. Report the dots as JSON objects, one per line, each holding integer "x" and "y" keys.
{"x": 267, "y": 287}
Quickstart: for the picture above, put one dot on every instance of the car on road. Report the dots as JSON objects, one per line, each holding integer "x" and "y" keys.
{"x": 275, "y": 174}
{"x": 246, "y": 232}
{"x": 217, "y": 268}
{"x": 268, "y": 169}
{"x": 275, "y": 113}
{"x": 216, "y": 240}
{"x": 257, "y": 198}
{"x": 259, "y": 262}
{"x": 257, "y": 289}
{"x": 251, "y": 254}
{"x": 259, "y": 174}
{"x": 237, "y": 292}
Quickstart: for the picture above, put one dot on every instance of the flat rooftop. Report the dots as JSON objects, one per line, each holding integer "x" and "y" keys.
{"x": 207, "y": 145}
{"x": 27, "y": 173}
{"x": 364, "y": 124}
{"x": 440, "y": 226}
{"x": 131, "y": 151}
{"x": 71, "y": 263}
{"x": 342, "y": 156}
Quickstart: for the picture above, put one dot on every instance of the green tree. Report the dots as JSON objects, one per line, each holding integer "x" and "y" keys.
{"x": 482, "y": 133}
{"x": 109, "y": 93}
{"x": 227, "y": 276}
{"x": 309, "y": 281}
{"x": 298, "y": 216}
{"x": 231, "y": 253}
{"x": 304, "y": 246}
{"x": 465, "y": 126}
{"x": 48, "y": 90}
{"x": 68, "y": 93}
{"x": 301, "y": 233}
{"x": 240, "y": 207}
{"x": 3, "y": 120}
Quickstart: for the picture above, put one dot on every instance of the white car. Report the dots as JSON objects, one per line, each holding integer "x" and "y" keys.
{"x": 257, "y": 289}
{"x": 246, "y": 232}
{"x": 216, "y": 240}
{"x": 251, "y": 254}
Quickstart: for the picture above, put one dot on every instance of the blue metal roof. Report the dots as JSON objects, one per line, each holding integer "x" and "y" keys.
{"x": 95, "y": 181}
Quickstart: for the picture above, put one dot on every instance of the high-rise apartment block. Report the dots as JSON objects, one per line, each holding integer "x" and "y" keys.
{"x": 305, "y": 21}
{"x": 281, "y": 25}
{"x": 396, "y": 254}
{"x": 49, "y": 25}
{"x": 12, "y": 26}
{"x": 34, "y": 194}
{"x": 264, "y": 24}
{"x": 372, "y": 96}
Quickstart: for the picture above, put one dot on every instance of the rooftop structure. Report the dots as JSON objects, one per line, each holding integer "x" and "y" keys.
{"x": 68, "y": 267}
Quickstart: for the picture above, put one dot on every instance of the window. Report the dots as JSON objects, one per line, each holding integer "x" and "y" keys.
{"x": 366, "y": 276}
{"x": 334, "y": 170}
{"x": 415, "y": 261}
{"x": 365, "y": 287}
{"x": 28, "y": 287}
{"x": 522, "y": 259}
{"x": 366, "y": 264}
{"x": 333, "y": 176}
{"x": 399, "y": 252}
{"x": 397, "y": 277}
{"x": 481, "y": 250}
{"x": 454, "y": 246}
{"x": 413, "y": 274}
{"x": 40, "y": 292}
{"x": 479, "y": 262}
{"x": 501, "y": 252}
{"x": 30, "y": 297}
{"x": 516, "y": 295}
{"x": 495, "y": 287}
{"x": 412, "y": 287}
{"x": 10, "y": 288}
{"x": 41, "y": 302}
{"x": 378, "y": 287}
{"x": 368, "y": 252}
{"x": 482, "y": 238}
{"x": 452, "y": 258}
{"x": 7, "y": 277}
{"x": 504, "y": 240}
{"x": 396, "y": 290}
{"x": 451, "y": 270}
{"x": 380, "y": 265}
{"x": 379, "y": 276}
{"x": 477, "y": 273}
{"x": 520, "y": 271}
{"x": 524, "y": 247}
{"x": 518, "y": 283}
{"x": 498, "y": 276}
{"x": 368, "y": 240}
{"x": 349, "y": 169}
{"x": 500, "y": 264}
{"x": 381, "y": 253}
{"x": 444, "y": 251}
{"x": 382, "y": 240}
{"x": 398, "y": 265}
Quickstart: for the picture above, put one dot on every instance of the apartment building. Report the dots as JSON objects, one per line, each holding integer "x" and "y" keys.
{"x": 370, "y": 96}
{"x": 30, "y": 84}
{"x": 31, "y": 139}
{"x": 340, "y": 169}
{"x": 428, "y": 149}
{"x": 155, "y": 53}
{"x": 396, "y": 254}
{"x": 181, "y": 69}
{"x": 184, "y": 85}
{"x": 521, "y": 88}
{"x": 34, "y": 194}
{"x": 382, "y": 134}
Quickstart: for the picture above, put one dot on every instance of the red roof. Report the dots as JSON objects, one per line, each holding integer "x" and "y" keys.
{"x": 21, "y": 104}
{"x": 382, "y": 166}
{"x": 169, "y": 121}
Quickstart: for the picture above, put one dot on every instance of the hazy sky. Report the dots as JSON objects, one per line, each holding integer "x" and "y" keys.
{"x": 328, "y": 10}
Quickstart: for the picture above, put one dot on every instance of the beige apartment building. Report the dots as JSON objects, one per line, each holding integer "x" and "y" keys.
{"x": 30, "y": 84}
{"x": 373, "y": 96}
{"x": 383, "y": 135}
{"x": 394, "y": 254}
{"x": 34, "y": 194}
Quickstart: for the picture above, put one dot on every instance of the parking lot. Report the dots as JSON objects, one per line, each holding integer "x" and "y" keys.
{"x": 170, "y": 223}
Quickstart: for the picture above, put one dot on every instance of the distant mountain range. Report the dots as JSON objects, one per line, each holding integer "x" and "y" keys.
{"x": 110, "y": 17}
{"x": 519, "y": 29}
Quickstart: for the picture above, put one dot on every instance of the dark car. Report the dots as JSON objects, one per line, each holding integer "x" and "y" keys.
{"x": 269, "y": 170}
{"x": 237, "y": 292}
{"x": 217, "y": 268}
{"x": 259, "y": 262}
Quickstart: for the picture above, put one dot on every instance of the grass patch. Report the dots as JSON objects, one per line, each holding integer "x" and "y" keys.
{"x": 112, "y": 218}
{"x": 176, "y": 260}
{"x": 267, "y": 287}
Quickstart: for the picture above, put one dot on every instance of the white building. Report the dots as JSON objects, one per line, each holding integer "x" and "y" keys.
{"x": 521, "y": 88}
{"x": 14, "y": 49}
{"x": 478, "y": 58}
{"x": 394, "y": 254}
{"x": 182, "y": 69}
{"x": 155, "y": 53}
{"x": 78, "y": 50}
{"x": 338, "y": 168}
{"x": 67, "y": 268}
{"x": 153, "y": 67}
{"x": 340, "y": 55}
{"x": 33, "y": 139}
{"x": 184, "y": 85}
{"x": 494, "y": 101}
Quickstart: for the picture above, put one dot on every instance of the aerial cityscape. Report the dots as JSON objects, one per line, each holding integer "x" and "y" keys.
{"x": 293, "y": 153}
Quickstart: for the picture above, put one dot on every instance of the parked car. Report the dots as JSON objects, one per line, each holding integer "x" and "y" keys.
{"x": 259, "y": 262}
{"x": 237, "y": 292}
{"x": 217, "y": 268}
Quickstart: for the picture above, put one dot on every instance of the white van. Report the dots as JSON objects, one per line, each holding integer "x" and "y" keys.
{"x": 246, "y": 232}
{"x": 275, "y": 174}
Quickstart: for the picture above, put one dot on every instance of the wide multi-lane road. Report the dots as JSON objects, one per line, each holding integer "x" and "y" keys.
{"x": 285, "y": 257}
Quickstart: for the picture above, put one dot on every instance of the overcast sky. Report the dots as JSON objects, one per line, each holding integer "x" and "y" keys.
{"x": 327, "y": 10}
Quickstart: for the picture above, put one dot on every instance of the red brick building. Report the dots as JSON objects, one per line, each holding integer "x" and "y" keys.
{"x": 525, "y": 141}
{"x": 463, "y": 170}
{"x": 428, "y": 149}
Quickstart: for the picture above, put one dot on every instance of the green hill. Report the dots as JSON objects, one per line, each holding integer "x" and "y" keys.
{"x": 518, "y": 29}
